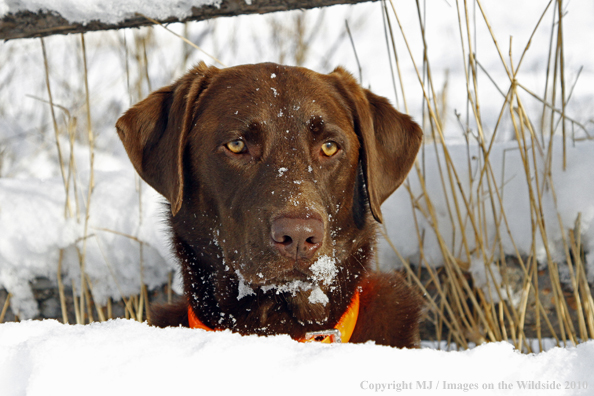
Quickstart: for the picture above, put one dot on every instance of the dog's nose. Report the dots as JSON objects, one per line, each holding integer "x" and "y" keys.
{"x": 297, "y": 238}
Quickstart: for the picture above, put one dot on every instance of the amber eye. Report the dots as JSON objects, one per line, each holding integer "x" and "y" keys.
{"x": 236, "y": 146}
{"x": 329, "y": 148}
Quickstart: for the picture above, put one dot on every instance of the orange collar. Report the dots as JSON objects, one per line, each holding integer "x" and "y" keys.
{"x": 344, "y": 327}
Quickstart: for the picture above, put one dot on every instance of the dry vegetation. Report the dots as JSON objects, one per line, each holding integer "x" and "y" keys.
{"x": 460, "y": 312}
{"x": 457, "y": 311}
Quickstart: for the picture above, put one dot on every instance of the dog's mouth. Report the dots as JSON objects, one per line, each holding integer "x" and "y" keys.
{"x": 321, "y": 278}
{"x": 306, "y": 291}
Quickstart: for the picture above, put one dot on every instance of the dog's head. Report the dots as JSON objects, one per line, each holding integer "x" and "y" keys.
{"x": 274, "y": 175}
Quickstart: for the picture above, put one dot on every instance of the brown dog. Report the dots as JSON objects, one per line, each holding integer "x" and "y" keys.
{"x": 275, "y": 176}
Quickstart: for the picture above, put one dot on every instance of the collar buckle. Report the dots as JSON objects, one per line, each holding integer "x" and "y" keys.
{"x": 331, "y": 336}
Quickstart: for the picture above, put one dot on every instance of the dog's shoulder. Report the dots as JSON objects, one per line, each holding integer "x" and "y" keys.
{"x": 389, "y": 311}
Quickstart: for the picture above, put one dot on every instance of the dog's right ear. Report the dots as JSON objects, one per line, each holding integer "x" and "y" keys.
{"x": 154, "y": 132}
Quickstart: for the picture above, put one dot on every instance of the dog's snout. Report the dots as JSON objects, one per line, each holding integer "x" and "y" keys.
{"x": 297, "y": 238}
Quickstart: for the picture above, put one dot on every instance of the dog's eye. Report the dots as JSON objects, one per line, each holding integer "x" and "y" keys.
{"x": 329, "y": 148}
{"x": 236, "y": 146}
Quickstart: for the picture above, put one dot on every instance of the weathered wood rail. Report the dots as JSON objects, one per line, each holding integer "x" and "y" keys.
{"x": 26, "y": 24}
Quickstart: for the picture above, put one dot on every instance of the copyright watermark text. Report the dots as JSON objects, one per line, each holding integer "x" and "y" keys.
{"x": 403, "y": 386}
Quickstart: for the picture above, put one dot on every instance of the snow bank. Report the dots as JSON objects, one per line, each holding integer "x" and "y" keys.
{"x": 107, "y": 11}
{"x": 124, "y": 357}
{"x": 35, "y": 228}
{"x": 574, "y": 190}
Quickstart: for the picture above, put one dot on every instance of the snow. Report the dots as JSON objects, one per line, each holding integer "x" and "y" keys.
{"x": 317, "y": 296}
{"x": 574, "y": 188}
{"x": 290, "y": 287}
{"x": 34, "y": 229}
{"x": 107, "y": 11}
{"x": 243, "y": 289}
{"x": 124, "y": 357}
{"x": 282, "y": 170}
{"x": 324, "y": 270}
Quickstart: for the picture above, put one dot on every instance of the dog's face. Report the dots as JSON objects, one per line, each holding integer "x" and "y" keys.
{"x": 273, "y": 174}
{"x": 280, "y": 156}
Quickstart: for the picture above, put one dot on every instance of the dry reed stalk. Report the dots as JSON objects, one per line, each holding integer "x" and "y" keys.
{"x": 562, "y": 77}
{"x": 109, "y": 309}
{"x": 5, "y": 307}
{"x": 88, "y": 299}
{"x": 555, "y": 110}
{"x": 71, "y": 124}
{"x": 427, "y": 67}
{"x": 583, "y": 280}
{"x": 67, "y": 208}
{"x": 61, "y": 289}
{"x": 386, "y": 23}
{"x": 127, "y": 67}
{"x": 547, "y": 79}
{"x": 575, "y": 279}
{"x": 77, "y": 315}
{"x": 184, "y": 39}
{"x": 72, "y": 163}
{"x": 146, "y": 63}
{"x": 85, "y": 281}
{"x": 141, "y": 301}
{"x": 536, "y": 206}
{"x": 346, "y": 23}
{"x": 91, "y": 302}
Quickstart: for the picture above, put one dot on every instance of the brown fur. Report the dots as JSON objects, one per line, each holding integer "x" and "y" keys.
{"x": 249, "y": 221}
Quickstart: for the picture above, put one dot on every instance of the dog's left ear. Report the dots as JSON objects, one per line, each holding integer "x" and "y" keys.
{"x": 389, "y": 139}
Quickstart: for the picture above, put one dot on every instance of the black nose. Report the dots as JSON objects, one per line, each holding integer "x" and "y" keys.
{"x": 297, "y": 238}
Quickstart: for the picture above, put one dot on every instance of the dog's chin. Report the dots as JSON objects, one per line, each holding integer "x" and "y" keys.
{"x": 307, "y": 300}
{"x": 309, "y": 306}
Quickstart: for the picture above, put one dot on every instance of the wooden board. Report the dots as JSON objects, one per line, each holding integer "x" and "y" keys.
{"x": 26, "y": 24}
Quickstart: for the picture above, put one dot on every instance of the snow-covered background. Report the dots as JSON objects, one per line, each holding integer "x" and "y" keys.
{"x": 125, "y": 221}
{"x": 124, "y": 211}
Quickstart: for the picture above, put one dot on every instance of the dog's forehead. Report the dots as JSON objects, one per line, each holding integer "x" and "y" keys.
{"x": 276, "y": 94}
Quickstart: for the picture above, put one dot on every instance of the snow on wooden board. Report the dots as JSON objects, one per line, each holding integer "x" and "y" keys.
{"x": 107, "y": 11}
{"x": 123, "y": 357}
{"x": 39, "y": 18}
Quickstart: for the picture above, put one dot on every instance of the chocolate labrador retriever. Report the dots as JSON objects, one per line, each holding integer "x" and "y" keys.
{"x": 275, "y": 176}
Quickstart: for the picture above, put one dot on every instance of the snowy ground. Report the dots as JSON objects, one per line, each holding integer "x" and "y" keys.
{"x": 129, "y": 358}
{"x": 48, "y": 358}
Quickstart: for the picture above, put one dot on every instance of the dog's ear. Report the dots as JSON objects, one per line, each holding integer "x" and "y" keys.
{"x": 389, "y": 139}
{"x": 154, "y": 132}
